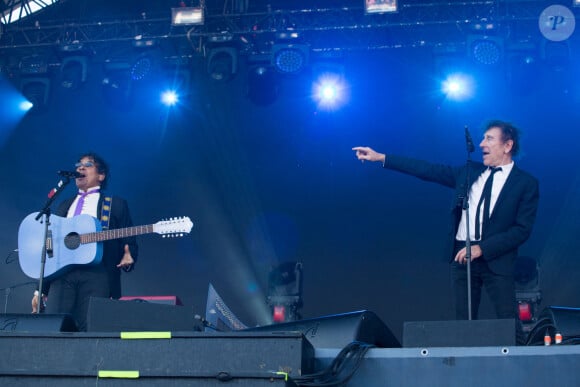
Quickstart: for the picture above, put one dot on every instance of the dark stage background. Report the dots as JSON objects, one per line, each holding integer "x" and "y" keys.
{"x": 269, "y": 184}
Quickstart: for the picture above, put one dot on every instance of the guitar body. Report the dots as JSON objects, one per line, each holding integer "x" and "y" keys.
{"x": 77, "y": 241}
{"x": 31, "y": 242}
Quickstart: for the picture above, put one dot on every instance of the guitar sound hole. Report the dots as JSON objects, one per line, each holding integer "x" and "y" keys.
{"x": 72, "y": 241}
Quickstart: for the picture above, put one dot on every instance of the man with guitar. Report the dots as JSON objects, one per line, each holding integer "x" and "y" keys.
{"x": 71, "y": 289}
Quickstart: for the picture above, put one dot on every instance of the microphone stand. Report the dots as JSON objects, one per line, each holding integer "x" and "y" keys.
{"x": 47, "y": 249}
{"x": 8, "y": 290}
{"x": 465, "y": 207}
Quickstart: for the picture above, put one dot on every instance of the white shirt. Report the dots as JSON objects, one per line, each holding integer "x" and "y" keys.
{"x": 89, "y": 206}
{"x": 499, "y": 179}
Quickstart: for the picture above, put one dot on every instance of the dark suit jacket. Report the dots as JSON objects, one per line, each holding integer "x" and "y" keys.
{"x": 512, "y": 218}
{"x": 113, "y": 250}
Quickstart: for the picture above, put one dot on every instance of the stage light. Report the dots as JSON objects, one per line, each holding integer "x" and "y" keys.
{"x": 330, "y": 89}
{"x": 458, "y": 87}
{"x": 73, "y": 72}
{"x": 186, "y": 16}
{"x": 33, "y": 65}
{"x": 279, "y": 314}
{"x": 328, "y": 92}
{"x": 141, "y": 67}
{"x": 169, "y": 98}
{"x": 290, "y": 58}
{"x": 485, "y": 50}
{"x": 73, "y": 47}
{"x": 380, "y": 6}
{"x": 141, "y": 42}
{"x": 74, "y": 64}
{"x": 285, "y": 291}
{"x": 174, "y": 75}
{"x": 35, "y": 81}
{"x": 221, "y": 37}
{"x": 528, "y": 293}
{"x": 25, "y": 106}
{"x": 524, "y": 311}
{"x": 222, "y": 63}
{"x": 36, "y": 90}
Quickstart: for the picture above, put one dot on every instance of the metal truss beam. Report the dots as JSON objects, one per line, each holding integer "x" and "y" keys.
{"x": 15, "y": 10}
{"x": 418, "y": 24}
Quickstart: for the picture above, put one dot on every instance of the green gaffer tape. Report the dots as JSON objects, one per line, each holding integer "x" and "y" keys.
{"x": 119, "y": 374}
{"x": 145, "y": 335}
{"x": 283, "y": 373}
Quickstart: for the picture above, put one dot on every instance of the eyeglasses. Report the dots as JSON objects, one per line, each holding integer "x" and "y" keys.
{"x": 86, "y": 164}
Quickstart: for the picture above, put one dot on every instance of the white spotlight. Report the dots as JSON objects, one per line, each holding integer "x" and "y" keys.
{"x": 458, "y": 87}
{"x": 169, "y": 98}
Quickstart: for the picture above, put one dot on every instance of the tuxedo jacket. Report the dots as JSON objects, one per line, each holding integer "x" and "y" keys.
{"x": 113, "y": 250}
{"x": 511, "y": 220}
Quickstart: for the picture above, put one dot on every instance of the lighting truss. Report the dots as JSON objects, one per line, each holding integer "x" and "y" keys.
{"x": 348, "y": 28}
{"x": 14, "y": 10}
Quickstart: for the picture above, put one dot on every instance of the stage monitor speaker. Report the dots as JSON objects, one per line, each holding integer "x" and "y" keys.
{"x": 339, "y": 330}
{"x": 167, "y": 300}
{"x": 37, "y": 323}
{"x": 459, "y": 333}
{"x": 106, "y": 315}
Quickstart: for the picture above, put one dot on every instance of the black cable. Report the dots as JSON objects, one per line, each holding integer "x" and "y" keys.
{"x": 18, "y": 285}
{"x": 342, "y": 368}
{"x": 536, "y": 336}
{"x": 8, "y": 260}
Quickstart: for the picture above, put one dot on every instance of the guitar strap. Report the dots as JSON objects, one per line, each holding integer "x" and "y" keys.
{"x": 106, "y": 212}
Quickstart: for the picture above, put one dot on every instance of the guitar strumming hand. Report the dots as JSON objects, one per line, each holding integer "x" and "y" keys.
{"x": 127, "y": 261}
{"x": 77, "y": 241}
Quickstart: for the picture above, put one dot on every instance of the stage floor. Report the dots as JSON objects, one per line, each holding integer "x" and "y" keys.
{"x": 463, "y": 367}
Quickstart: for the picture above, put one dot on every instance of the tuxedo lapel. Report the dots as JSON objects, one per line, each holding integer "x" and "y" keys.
{"x": 511, "y": 181}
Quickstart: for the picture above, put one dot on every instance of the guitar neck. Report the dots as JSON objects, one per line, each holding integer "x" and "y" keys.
{"x": 116, "y": 234}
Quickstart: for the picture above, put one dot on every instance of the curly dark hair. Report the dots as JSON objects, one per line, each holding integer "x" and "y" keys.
{"x": 100, "y": 163}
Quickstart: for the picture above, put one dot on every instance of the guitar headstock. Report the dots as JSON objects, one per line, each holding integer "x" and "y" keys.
{"x": 174, "y": 227}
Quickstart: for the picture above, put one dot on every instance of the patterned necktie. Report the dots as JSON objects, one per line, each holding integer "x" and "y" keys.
{"x": 81, "y": 202}
{"x": 485, "y": 197}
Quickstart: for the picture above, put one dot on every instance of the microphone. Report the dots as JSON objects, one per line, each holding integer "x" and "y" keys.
{"x": 469, "y": 141}
{"x": 70, "y": 174}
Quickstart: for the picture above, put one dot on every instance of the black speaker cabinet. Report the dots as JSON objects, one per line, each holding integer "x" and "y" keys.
{"x": 339, "y": 330}
{"x": 37, "y": 323}
{"x": 459, "y": 333}
{"x": 185, "y": 359}
{"x": 106, "y": 315}
{"x": 167, "y": 300}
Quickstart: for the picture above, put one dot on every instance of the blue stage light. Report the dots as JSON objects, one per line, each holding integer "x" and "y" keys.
{"x": 290, "y": 58}
{"x": 169, "y": 98}
{"x": 329, "y": 91}
{"x": 141, "y": 68}
{"x": 25, "y": 106}
{"x": 458, "y": 87}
